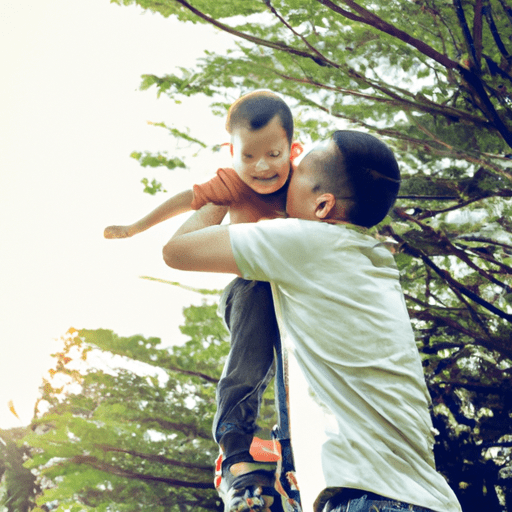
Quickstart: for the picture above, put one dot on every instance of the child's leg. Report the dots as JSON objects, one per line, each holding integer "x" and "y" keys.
{"x": 250, "y": 317}
{"x": 246, "y": 485}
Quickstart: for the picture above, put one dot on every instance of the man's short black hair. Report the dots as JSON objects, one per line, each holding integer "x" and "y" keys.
{"x": 373, "y": 176}
{"x": 256, "y": 109}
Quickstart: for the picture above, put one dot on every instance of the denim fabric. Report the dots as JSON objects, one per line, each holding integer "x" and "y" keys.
{"x": 248, "y": 311}
{"x": 360, "y": 501}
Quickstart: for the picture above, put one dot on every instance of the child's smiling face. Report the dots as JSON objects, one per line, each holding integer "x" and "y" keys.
{"x": 262, "y": 157}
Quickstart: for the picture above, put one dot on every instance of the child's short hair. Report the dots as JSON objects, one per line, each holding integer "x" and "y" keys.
{"x": 373, "y": 176}
{"x": 256, "y": 109}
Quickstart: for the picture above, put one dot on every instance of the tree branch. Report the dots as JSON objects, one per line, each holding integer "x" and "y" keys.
{"x": 295, "y": 33}
{"x": 468, "y": 39}
{"x": 487, "y": 10}
{"x": 455, "y": 153}
{"x": 428, "y": 198}
{"x": 368, "y": 18}
{"x": 253, "y": 39}
{"x": 109, "y": 468}
{"x": 485, "y": 241}
{"x": 447, "y": 277}
{"x": 471, "y": 78}
{"x": 180, "y": 427}
{"x": 478, "y": 388}
{"x": 156, "y": 458}
{"x": 490, "y": 444}
{"x": 432, "y": 213}
{"x": 371, "y": 19}
{"x": 446, "y": 243}
{"x": 191, "y": 373}
{"x": 427, "y": 314}
{"x": 477, "y": 29}
{"x": 394, "y": 98}
{"x": 475, "y": 84}
{"x": 451, "y": 153}
{"x": 490, "y": 343}
{"x": 507, "y": 10}
{"x": 479, "y": 254}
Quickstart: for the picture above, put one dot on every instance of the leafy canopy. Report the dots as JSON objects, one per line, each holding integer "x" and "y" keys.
{"x": 135, "y": 435}
{"x": 433, "y": 78}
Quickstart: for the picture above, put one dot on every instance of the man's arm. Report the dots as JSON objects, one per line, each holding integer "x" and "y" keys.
{"x": 175, "y": 205}
{"x": 208, "y": 215}
{"x": 201, "y": 245}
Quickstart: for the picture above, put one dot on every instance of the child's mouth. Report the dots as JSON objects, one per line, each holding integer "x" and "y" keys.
{"x": 267, "y": 179}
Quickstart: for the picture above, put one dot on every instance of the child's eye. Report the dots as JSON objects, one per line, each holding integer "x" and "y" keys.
{"x": 275, "y": 153}
{"x": 247, "y": 156}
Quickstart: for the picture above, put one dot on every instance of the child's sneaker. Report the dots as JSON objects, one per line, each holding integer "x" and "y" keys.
{"x": 254, "y": 486}
{"x": 249, "y": 487}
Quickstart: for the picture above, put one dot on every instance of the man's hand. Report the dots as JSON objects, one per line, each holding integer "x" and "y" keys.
{"x": 118, "y": 232}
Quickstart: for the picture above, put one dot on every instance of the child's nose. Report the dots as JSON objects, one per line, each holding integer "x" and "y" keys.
{"x": 262, "y": 165}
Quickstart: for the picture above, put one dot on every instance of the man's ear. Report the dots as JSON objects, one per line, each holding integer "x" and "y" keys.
{"x": 324, "y": 204}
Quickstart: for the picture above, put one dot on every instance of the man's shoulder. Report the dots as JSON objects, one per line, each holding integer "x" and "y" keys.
{"x": 307, "y": 228}
{"x": 283, "y": 232}
{"x": 292, "y": 224}
{"x": 311, "y": 226}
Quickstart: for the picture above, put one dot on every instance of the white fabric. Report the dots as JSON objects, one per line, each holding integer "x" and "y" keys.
{"x": 358, "y": 399}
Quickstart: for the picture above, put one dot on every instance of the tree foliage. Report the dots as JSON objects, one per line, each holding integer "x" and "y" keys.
{"x": 133, "y": 440}
{"x": 18, "y": 485}
{"x": 135, "y": 435}
{"x": 433, "y": 78}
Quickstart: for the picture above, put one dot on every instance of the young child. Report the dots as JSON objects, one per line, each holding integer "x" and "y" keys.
{"x": 360, "y": 423}
{"x": 261, "y": 129}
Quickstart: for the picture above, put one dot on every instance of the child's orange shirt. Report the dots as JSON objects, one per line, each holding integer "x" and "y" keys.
{"x": 245, "y": 205}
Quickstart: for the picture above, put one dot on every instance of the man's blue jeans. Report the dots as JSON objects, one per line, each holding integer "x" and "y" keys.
{"x": 361, "y": 501}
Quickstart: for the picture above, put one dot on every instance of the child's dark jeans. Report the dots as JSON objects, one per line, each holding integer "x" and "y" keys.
{"x": 248, "y": 310}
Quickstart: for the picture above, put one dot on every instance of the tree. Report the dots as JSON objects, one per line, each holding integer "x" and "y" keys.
{"x": 18, "y": 485}
{"x": 433, "y": 78}
{"x": 136, "y": 436}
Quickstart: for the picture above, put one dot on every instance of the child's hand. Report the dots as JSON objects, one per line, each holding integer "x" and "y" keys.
{"x": 118, "y": 232}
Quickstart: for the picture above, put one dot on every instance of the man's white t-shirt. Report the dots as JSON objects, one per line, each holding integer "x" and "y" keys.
{"x": 358, "y": 398}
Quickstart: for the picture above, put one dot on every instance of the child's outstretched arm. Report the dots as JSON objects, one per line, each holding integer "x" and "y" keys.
{"x": 180, "y": 203}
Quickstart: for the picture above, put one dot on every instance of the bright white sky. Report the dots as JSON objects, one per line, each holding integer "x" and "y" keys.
{"x": 70, "y": 115}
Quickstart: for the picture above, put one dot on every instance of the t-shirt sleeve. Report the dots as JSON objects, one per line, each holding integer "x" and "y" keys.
{"x": 270, "y": 250}
{"x": 224, "y": 189}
